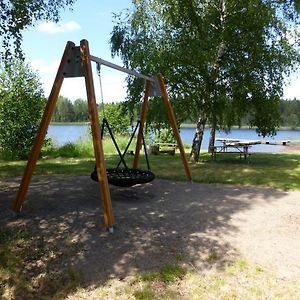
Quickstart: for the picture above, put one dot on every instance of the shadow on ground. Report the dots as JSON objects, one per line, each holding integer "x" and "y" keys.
{"x": 156, "y": 224}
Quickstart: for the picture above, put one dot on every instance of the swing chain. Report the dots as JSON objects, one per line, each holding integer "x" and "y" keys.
{"x": 98, "y": 65}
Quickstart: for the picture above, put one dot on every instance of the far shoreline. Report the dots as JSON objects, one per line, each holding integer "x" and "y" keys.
{"x": 184, "y": 125}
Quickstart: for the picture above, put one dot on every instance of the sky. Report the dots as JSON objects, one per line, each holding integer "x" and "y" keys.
{"x": 91, "y": 20}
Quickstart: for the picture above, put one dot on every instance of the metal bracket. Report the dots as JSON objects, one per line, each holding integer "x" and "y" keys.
{"x": 73, "y": 67}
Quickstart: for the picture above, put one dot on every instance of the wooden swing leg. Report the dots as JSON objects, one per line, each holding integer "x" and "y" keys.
{"x": 174, "y": 126}
{"x": 141, "y": 128}
{"x": 97, "y": 141}
{"x": 36, "y": 149}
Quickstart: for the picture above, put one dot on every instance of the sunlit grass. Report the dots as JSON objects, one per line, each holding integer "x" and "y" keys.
{"x": 84, "y": 148}
{"x": 279, "y": 170}
{"x": 238, "y": 280}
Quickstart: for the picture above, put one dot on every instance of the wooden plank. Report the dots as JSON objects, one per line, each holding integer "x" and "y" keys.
{"x": 174, "y": 125}
{"x": 42, "y": 131}
{"x": 141, "y": 128}
{"x": 97, "y": 141}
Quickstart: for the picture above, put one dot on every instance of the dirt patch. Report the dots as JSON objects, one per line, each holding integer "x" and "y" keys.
{"x": 156, "y": 224}
{"x": 294, "y": 148}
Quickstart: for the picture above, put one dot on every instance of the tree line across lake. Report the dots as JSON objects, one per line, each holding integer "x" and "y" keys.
{"x": 67, "y": 111}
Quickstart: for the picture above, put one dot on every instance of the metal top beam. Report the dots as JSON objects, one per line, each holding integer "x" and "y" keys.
{"x": 122, "y": 69}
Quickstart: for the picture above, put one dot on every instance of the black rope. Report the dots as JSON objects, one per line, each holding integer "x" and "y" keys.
{"x": 125, "y": 177}
{"x": 129, "y": 143}
{"x": 114, "y": 141}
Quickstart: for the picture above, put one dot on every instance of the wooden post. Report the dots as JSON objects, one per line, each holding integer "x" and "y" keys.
{"x": 141, "y": 128}
{"x": 174, "y": 125}
{"x": 36, "y": 149}
{"x": 97, "y": 142}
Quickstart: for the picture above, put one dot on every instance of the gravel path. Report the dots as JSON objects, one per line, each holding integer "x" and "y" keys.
{"x": 159, "y": 223}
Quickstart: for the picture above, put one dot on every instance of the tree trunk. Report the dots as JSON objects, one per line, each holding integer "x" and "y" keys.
{"x": 197, "y": 141}
{"x": 212, "y": 137}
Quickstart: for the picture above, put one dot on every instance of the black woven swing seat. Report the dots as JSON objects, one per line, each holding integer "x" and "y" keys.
{"x": 125, "y": 177}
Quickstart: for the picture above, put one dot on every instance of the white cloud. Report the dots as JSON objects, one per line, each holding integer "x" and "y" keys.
{"x": 52, "y": 28}
{"x": 44, "y": 68}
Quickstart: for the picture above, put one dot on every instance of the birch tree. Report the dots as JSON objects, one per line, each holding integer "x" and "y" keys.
{"x": 223, "y": 59}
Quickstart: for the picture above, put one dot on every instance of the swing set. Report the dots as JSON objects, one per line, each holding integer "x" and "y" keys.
{"x": 76, "y": 62}
{"x": 125, "y": 176}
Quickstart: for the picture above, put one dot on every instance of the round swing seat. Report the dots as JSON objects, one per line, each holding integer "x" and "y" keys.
{"x": 125, "y": 177}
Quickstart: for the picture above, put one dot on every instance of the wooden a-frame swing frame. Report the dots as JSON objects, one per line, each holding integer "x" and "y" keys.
{"x": 76, "y": 62}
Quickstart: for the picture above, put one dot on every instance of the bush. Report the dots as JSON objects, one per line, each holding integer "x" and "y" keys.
{"x": 117, "y": 117}
{"x": 21, "y": 105}
{"x": 165, "y": 136}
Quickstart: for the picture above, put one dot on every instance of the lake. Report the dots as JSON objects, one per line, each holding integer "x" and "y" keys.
{"x": 62, "y": 134}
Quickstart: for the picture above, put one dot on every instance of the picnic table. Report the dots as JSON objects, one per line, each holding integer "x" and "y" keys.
{"x": 233, "y": 147}
{"x": 241, "y": 147}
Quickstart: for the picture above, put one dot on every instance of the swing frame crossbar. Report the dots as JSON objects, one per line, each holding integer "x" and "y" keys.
{"x": 122, "y": 69}
{"x": 76, "y": 62}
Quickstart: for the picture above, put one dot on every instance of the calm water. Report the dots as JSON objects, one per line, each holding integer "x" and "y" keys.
{"x": 63, "y": 134}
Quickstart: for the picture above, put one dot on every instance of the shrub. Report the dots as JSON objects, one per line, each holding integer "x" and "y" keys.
{"x": 21, "y": 105}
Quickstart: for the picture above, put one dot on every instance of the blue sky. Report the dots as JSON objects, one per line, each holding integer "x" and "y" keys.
{"x": 91, "y": 20}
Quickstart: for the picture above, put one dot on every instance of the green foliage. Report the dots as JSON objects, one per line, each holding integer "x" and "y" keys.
{"x": 117, "y": 116}
{"x": 79, "y": 149}
{"x": 165, "y": 136}
{"x": 19, "y": 15}
{"x": 170, "y": 273}
{"x": 290, "y": 113}
{"x": 85, "y": 149}
{"x": 80, "y": 108}
{"x": 223, "y": 59}
{"x": 21, "y": 105}
{"x": 66, "y": 111}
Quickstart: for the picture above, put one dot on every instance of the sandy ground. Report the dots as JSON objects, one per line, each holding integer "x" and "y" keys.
{"x": 294, "y": 148}
{"x": 158, "y": 222}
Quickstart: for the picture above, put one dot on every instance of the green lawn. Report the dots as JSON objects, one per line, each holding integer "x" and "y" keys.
{"x": 278, "y": 170}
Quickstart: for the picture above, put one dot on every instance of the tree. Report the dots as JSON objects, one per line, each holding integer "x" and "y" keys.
{"x": 19, "y": 15}
{"x": 117, "y": 116}
{"x": 290, "y": 113}
{"x": 21, "y": 106}
{"x": 64, "y": 110}
{"x": 224, "y": 59}
{"x": 80, "y": 108}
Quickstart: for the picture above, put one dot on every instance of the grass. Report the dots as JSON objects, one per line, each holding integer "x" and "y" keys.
{"x": 239, "y": 280}
{"x": 84, "y": 148}
{"x": 278, "y": 170}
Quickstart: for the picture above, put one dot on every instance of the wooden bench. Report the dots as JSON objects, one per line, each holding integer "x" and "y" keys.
{"x": 168, "y": 148}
